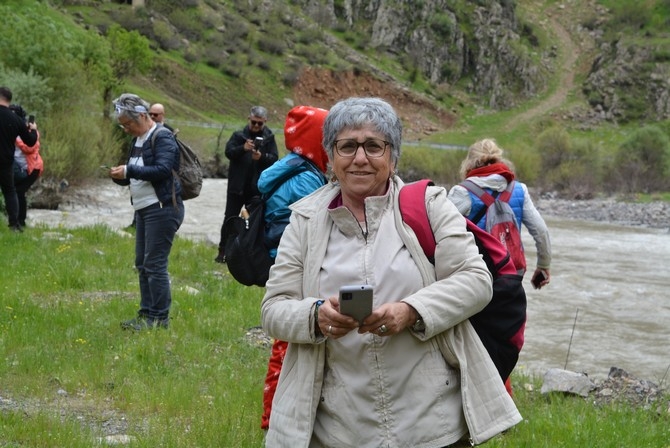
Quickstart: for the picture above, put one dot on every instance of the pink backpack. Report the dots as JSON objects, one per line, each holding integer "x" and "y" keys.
{"x": 501, "y": 324}
{"x": 500, "y": 220}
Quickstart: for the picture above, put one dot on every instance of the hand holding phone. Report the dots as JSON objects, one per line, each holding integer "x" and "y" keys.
{"x": 258, "y": 141}
{"x": 356, "y": 301}
{"x": 538, "y": 279}
{"x": 31, "y": 119}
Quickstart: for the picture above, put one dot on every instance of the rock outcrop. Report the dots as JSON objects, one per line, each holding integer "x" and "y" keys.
{"x": 446, "y": 44}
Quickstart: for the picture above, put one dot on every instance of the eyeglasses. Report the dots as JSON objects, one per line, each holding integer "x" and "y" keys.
{"x": 373, "y": 148}
{"x": 154, "y": 114}
{"x": 256, "y": 123}
{"x": 125, "y": 126}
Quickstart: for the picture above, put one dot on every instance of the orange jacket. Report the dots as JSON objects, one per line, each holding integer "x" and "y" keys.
{"x": 32, "y": 154}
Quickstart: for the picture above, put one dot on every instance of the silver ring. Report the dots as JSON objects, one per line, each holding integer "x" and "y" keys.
{"x": 330, "y": 327}
{"x": 383, "y": 329}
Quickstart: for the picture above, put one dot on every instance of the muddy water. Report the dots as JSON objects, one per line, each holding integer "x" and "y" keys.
{"x": 614, "y": 279}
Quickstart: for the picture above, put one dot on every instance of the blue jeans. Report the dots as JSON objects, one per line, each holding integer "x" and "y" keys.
{"x": 156, "y": 227}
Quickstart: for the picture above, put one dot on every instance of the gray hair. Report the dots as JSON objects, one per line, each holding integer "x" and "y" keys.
{"x": 258, "y": 111}
{"x": 355, "y": 113}
{"x": 131, "y": 106}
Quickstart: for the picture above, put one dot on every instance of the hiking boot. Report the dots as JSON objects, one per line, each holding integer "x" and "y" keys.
{"x": 142, "y": 323}
{"x": 221, "y": 258}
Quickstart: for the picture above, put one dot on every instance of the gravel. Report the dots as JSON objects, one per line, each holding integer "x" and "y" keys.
{"x": 654, "y": 214}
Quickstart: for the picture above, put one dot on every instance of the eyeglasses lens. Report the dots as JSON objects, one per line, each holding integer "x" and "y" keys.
{"x": 372, "y": 147}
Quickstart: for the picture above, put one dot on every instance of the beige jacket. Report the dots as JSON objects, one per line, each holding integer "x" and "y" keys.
{"x": 288, "y": 305}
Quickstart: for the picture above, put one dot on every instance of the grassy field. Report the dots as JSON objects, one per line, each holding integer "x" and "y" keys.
{"x": 70, "y": 376}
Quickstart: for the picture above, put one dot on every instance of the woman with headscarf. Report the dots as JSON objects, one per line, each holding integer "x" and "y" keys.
{"x": 155, "y": 193}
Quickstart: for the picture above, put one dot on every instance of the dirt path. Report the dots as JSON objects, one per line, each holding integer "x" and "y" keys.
{"x": 566, "y": 65}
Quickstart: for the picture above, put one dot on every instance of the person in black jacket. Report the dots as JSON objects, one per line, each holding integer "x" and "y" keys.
{"x": 155, "y": 194}
{"x": 250, "y": 151}
{"x": 11, "y": 126}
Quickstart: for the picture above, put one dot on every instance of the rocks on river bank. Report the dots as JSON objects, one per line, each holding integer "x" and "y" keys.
{"x": 650, "y": 214}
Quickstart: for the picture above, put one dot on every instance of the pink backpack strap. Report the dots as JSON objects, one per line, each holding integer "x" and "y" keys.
{"x": 412, "y": 202}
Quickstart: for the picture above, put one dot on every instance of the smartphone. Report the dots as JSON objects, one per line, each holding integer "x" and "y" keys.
{"x": 538, "y": 279}
{"x": 356, "y": 301}
{"x": 31, "y": 118}
{"x": 258, "y": 141}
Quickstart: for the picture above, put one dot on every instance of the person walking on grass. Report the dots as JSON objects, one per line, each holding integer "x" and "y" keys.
{"x": 155, "y": 194}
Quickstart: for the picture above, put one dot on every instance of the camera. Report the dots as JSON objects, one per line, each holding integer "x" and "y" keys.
{"x": 258, "y": 141}
{"x": 347, "y": 296}
{"x": 31, "y": 119}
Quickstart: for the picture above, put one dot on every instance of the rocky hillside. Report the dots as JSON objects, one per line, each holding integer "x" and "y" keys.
{"x": 434, "y": 58}
{"x": 433, "y": 53}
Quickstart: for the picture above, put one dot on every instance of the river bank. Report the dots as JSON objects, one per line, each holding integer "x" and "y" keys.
{"x": 606, "y": 305}
{"x": 102, "y": 201}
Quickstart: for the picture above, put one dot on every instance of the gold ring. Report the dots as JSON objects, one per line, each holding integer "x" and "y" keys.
{"x": 383, "y": 329}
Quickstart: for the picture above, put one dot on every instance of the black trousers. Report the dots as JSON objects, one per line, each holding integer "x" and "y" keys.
{"x": 22, "y": 186}
{"x": 9, "y": 193}
{"x": 234, "y": 203}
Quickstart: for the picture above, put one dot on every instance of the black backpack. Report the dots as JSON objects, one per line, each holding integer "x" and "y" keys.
{"x": 247, "y": 256}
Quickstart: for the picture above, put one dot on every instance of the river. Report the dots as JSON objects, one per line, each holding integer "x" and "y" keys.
{"x": 610, "y": 285}
{"x": 612, "y": 279}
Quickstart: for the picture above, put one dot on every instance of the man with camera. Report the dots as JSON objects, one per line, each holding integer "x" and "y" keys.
{"x": 11, "y": 126}
{"x": 250, "y": 151}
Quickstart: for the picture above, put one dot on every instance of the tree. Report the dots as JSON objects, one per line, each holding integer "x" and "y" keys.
{"x": 129, "y": 54}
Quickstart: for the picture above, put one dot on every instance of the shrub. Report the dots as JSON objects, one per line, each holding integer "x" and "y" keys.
{"x": 165, "y": 36}
{"x": 272, "y": 45}
{"x": 642, "y": 163}
{"x": 570, "y": 167}
{"x": 189, "y": 25}
{"x": 30, "y": 90}
{"x": 418, "y": 162}
{"x": 554, "y": 148}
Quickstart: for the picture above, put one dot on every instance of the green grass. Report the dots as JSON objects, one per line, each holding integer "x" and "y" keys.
{"x": 198, "y": 384}
{"x": 68, "y": 369}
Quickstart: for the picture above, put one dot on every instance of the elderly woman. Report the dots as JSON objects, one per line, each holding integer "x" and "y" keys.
{"x": 414, "y": 372}
{"x": 155, "y": 193}
{"x": 487, "y": 168}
